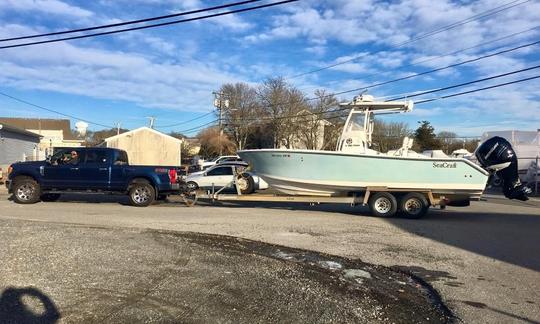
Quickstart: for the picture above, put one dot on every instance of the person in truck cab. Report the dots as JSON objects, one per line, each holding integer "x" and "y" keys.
{"x": 73, "y": 158}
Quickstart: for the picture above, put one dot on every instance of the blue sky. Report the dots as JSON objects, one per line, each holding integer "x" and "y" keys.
{"x": 170, "y": 72}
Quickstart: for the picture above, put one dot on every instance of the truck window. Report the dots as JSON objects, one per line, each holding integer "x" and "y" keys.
{"x": 96, "y": 156}
{"x": 121, "y": 158}
{"x": 68, "y": 157}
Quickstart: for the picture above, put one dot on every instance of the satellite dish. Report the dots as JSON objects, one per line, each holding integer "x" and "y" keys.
{"x": 81, "y": 128}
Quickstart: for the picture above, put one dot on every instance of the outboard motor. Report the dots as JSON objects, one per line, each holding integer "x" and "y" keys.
{"x": 497, "y": 156}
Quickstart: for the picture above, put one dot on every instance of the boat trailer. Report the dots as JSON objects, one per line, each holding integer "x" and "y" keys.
{"x": 382, "y": 201}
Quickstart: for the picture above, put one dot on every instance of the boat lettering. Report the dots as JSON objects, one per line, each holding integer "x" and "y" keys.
{"x": 447, "y": 165}
{"x": 281, "y": 155}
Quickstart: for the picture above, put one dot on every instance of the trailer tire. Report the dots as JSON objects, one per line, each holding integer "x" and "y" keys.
{"x": 413, "y": 205}
{"x": 245, "y": 183}
{"x": 383, "y": 204}
{"x": 141, "y": 193}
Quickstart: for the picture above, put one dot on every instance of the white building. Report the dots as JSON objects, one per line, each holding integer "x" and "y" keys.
{"x": 54, "y": 133}
{"x": 146, "y": 146}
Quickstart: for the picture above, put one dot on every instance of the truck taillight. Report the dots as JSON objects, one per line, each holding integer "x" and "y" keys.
{"x": 172, "y": 175}
{"x": 9, "y": 170}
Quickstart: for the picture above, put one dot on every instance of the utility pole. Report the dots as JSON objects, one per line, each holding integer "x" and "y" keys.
{"x": 117, "y": 128}
{"x": 220, "y": 103}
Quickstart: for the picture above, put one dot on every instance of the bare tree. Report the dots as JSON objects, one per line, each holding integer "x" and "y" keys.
{"x": 389, "y": 135}
{"x": 312, "y": 126}
{"x": 448, "y": 140}
{"x": 240, "y": 117}
{"x": 212, "y": 144}
{"x": 279, "y": 102}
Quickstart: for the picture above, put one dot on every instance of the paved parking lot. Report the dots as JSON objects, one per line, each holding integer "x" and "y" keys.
{"x": 483, "y": 260}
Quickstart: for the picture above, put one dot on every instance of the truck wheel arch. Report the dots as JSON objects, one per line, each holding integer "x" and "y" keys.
{"x": 142, "y": 180}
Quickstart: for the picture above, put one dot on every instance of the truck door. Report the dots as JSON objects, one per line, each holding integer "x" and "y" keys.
{"x": 63, "y": 170}
{"x": 119, "y": 170}
{"x": 94, "y": 173}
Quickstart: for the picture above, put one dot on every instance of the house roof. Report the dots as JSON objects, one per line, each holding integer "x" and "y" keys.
{"x": 42, "y": 124}
{"x": 131, "y": 132}
{"x": 18, "y": 130}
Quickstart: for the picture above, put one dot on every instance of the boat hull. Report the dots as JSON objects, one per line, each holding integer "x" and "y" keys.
{"x": 326, "y": 173}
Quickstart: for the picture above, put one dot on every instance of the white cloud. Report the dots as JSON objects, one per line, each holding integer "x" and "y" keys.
{"x": 108, "y": 74}
{"x": 48, "y": 6}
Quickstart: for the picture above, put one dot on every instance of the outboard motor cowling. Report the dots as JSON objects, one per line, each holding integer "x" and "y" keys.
{"x": 497, "y": 156}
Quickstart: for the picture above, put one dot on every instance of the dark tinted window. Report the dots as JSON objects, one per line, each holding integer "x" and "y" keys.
{"x": 121, "y": 158}
{"x": 96, "y": 156}
{"x": 220, "y": 171}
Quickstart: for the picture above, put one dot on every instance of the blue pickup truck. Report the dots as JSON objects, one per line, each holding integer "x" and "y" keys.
{"x": 90, "y": 170}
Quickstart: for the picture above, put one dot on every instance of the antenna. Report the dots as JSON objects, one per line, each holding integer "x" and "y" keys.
{"x": 152, "y": 119}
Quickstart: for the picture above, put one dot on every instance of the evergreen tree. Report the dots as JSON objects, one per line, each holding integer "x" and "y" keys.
{"x": 425, "y": 137}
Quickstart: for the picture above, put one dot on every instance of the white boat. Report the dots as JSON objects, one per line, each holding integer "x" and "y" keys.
{"x": 354, "y": 166}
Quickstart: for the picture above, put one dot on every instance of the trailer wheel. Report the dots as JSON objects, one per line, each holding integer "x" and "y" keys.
{"x": 413, "y": 205}
{"x": 245, "y": 183}
{"x": 383, "y": 204}
{"x": 190, "y": 198}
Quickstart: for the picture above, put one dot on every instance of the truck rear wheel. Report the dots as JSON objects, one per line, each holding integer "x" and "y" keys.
{"x": 26, "y": 190}
{"x": 413, "y": 205}
{"x": 141, "y": 193}
{"x": 383, "y": 204}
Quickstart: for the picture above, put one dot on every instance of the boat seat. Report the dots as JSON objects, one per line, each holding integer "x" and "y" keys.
{"x": 405, "y": 147}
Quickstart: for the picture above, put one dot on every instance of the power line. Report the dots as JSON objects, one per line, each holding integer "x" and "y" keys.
{"x": 468, "y": 83}
{"x": 418, "y": 74}
{"x": 53, "y": 111}
{"x": 479, "y": 16}
{"x": 186, "y": 121}
{"x": 418, "y": 62}
{"x": 416, "y": 103}
{"x": 197, "y": 127}
{"x": 152, "y": 25}
{"x": 477, "y": 90}
{"x": 130, "y": 22}
{"x": 441, "y": 68}
{"x": 406, "y": 97}
{"x": 310, "y": 114}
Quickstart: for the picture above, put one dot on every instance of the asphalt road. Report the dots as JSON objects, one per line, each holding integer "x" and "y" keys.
{"x": 483, "y": 260}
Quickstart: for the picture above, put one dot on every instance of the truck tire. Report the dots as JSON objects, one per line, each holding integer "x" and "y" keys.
{"x": 246, "y": 184}
{"x": 413, "y": 205}
{"x": 141, "y": 193}
{"x": 26, "y": 190}
{"x": 50, "y": 197}
{"x": 383, "y": 204}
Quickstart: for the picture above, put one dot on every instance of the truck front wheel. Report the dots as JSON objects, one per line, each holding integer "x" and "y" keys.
{"x": 26, "y": 190}
{"x": 141, "y": 193}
